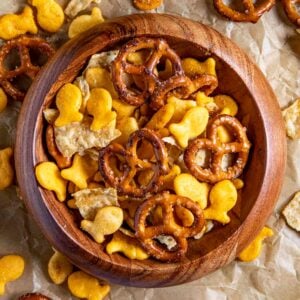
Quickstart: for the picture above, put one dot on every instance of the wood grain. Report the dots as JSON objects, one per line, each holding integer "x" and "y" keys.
{"x": 258, "y": 110}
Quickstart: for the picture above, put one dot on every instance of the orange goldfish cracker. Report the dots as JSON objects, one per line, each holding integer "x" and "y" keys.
{"x": 85, "y": 286}
{"x": 127, "y": 245}
{"x": 162, "y": 117}
{"x": 48, "y": 176}
{"x": 50, "y": 15}
{"x": 181, "y": 108}
{"x": 192, "y": 66}
{"x": 97, "y": 77}
{"x": 12, "y": 25}
{"x": 185, "y": 216}
{"x": 222, "y": 198}
{"x": 99, "y": 105}
{"x": 123, "y": 110}
{"x": 188, "y": 186}
{"x": 254, "y": 248}
{"x": 3, "y": 100}
{"x": 147, "y": 4}
{"x": 226, "y": 105}
{"x": 6, "y": 168}
{"x": 193, "y": 124}
{"x": 82, "y": 169}
{"x": 11, "y": 268}
{"x": 68, "y": 102}
{"x": 107, "y": 221}
{"x": 84, "y": 22}
{"x": 127, "y": 126}
{"x": 59, "y": 268}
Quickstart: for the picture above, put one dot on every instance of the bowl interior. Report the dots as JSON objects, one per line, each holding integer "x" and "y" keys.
{"x": 229, "y": 83}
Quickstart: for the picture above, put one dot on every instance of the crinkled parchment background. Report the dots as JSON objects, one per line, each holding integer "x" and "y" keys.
{"x": 274, "y": 45}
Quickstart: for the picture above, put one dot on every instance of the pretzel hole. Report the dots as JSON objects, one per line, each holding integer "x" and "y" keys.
{"x": 155, "y": 217}
{"x": 236, "y": 4}
{"x": 21, "y": 82}
{"x": 203, "y": 158}
{"x": 116, "y": 163}
{"x": 183, "y": 216}
{"x": 37, "y": 57}
{"x": 139, "y": 57}
{"x": 12, "y": 60}
{"x": 228, "y": 160}
{"x": 167, "y": 242}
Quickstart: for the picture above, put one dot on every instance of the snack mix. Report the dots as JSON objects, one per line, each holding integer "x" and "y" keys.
{"x": 145, "y": 150}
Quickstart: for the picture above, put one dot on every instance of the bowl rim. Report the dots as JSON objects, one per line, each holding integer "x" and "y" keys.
{"x": 25, "y": 151}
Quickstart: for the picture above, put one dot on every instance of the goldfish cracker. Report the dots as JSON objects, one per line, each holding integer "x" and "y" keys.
{"x": 193, "y": 124}
{"x": 123, "y": 110}
{"x": 97, "y": 77}
{"x": 6, "y": 168}
{"x": 99, "y": 105}
{"x": 50, "y": 15}
{"x": 226, "y": 105}
{"x": 206, "y": 101}
{"x": 187, "y": 185}
{"x": 11, "y": 268}
{"x": 168, "y": 180}
{"x": 48, "y": 176}
{"x": 126, "y": 245}
{"x": 108, "y": 220}
{"x": 181, "y": 108}
{"x": 147, "y": 4}
{"x": 83, "y": 168}
{"x": 3, "y": 100}
{"x": 222, "y": 198}
{"x": 82, "y": 285}
{"x": 192, "y": 66}
{"x": 59, "y": 268}
{"x": 12, "y": 25}
{"x": 254, "y": 248}
{"x": 127, "y": 126}
{"x": 162, "y": 117}
{"x": 84, "y": 22}
{"x": 68, "y": 102}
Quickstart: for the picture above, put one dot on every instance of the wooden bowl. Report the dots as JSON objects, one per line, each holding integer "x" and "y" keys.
{"x": 263, "y": 176}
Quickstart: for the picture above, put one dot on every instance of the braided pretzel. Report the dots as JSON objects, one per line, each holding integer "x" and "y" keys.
{"x": 252, "y": 12}
{"x": 62, "y": 162}
{"x": 147, "y": 234}
{"x": 132, "y": 164}
{"x": 158, "y": 49}
{"x": 182, "y": 87}
{"x": 23, "y": 44}
{"x": 290, "y": 9}
{"x": 214, "y": 172}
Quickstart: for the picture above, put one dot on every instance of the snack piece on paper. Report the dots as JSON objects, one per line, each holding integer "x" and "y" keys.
{"x": 12, "y": 25}
{"x": 76, "y": 6}
{"x": 6, "y": 168}
{"x": 85, "y": 22}
{"x": 78, "y": 137}
{"x": 291, "y": 116}
{"x": 11, "y": 268}
{"x": 147, "y": 4}
{"x": 292, "y": 212}
{"x": 89, "y": 201}
{"x": 254, "y": 249}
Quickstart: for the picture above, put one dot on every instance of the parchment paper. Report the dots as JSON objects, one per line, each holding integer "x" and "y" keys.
{"x": 274, "y": 45}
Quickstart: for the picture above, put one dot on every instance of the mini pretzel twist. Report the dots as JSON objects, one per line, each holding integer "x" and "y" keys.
{"x": 252, "y": 11}
{"x": 290, "y": 9}
{"x": 131, "y": 165}
{"x": 158, "y": 48}
{"x": 147, "y": 233}
{"x": 34, "y": 296}
{"x": 214, "y": 172}
{"x": 182, "y": 87}
{"x": 23, "y": 44}
{"x": 62, "y": 162}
